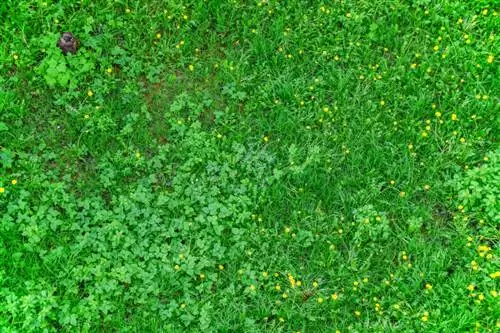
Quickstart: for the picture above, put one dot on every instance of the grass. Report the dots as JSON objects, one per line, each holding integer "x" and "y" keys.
{"x": 249, "y": 166}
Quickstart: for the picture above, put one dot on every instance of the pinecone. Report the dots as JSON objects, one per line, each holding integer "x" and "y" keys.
{"x": 68, "y": 43}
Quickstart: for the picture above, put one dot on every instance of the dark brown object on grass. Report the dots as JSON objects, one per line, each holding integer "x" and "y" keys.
{"x": 68, "y": 43}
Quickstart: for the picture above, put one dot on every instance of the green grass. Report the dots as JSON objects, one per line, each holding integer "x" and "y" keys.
{"x": 246, "y": 166}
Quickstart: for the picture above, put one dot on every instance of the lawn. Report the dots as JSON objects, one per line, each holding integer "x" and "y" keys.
{"x": 250, "y": 166}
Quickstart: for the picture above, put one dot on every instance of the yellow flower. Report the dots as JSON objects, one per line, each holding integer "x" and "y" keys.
{"x": 492, "y": 275}
{"x": 438, "y": 114}
{"x": 2, "y": 189}
{"x": 158, "y": 35}
{"x": 298, "y": 283}
{"x": 471, "y": 287}
{"x": 382, "y": 102}
{"x": 252, "y": 287}
{"x": 287, "y": 230}
{"x": 454, "y": 117}
{"x": 428, "y": 286}
{"x": 202, "y": 276}
{"x": 413, "y": 66}
{"x": 278, "y": 287}
{"x": 335, "y": 296}
{"x": 266, "y": 139}
{"x": 90, "y": 93}
{"x": 265, "y": 274}
{"x": 127, "y": 11}
{"x": 109, "y": 70}
{"x": 138, "y": 155}
{"x": 221, "y": 267}
{"x": 436, "y": 48}
{"x": 483, "y": 248}
{"x": 424, "y": 134}
{"x": 284, "y": 295}
{"x": 315, "y": 284}
{"x": 320, "y": 300}
{"x": 402, "y": 194}
{"x": 427, "y": 187}
{"x": 357, "y": 313}
{"x": 14, "y": 181}
{"x": 425, "y": 318}
{"x": 462, "y": 140}
{"x": 177, "y": 267}
{"x": 490, "y": 59}
{"x": 191, "y": 68}
{"x": 183, "y": 305}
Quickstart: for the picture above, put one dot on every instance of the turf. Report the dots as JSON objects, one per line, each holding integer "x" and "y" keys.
{"x": 249, "y": 166}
